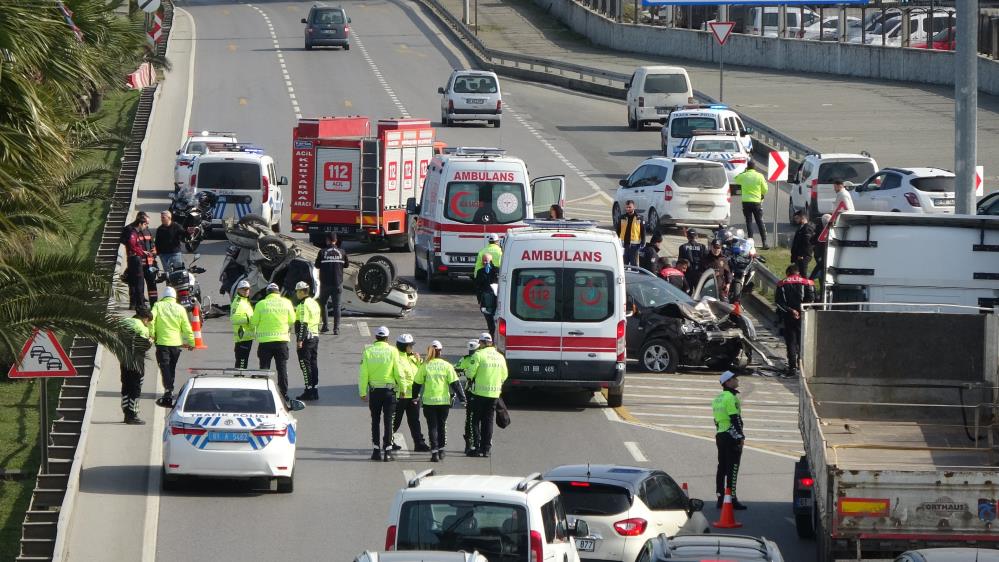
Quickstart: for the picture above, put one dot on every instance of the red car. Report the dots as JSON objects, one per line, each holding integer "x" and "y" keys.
{"x": 942, "y": 41}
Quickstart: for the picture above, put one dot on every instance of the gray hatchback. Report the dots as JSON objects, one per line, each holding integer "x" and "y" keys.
{"x": 327, "y": 27}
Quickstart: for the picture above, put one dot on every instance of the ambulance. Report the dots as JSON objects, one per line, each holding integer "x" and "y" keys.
{"x": 561, "y": 315}
{"x": 470, "y": 193}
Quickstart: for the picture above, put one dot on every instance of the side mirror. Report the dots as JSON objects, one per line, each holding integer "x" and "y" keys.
{"x": 305, "y": 20}
{"x": 411, "y": 207}
{"x": 283, "y": 180}
{"x": 440, "y": 90}
{"x": 623, "y": 183}
{"x": 348, "y": 20}
{"x": 627, "y": 85}
{"x": 178, "y": 152}
{"x": 580, "y": 529}
{"x": 696, "y": 504}
{"x": 298, "y": 405}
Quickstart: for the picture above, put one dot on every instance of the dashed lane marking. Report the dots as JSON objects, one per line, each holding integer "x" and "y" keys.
{"x": 280, "y": 57}
{"x": 378, "y": 76}
{"x": 362, "y": 327}
{"x": 636, "y": 453}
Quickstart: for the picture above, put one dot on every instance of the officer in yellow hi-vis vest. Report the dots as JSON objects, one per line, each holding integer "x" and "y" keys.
{"x": 729, "y": 437}
{"x": 307, "y": 320}
{"x": 131, "y": 376}
{"x": 240, "y": 315}
{"x": 379, "y": 378}
{"x": 436, "y": 381}
{"x": 170, "y": 330}
{"x": 462, "y": 367}
{"x": 272, "y": 321}
{"x": 486, "y": 375}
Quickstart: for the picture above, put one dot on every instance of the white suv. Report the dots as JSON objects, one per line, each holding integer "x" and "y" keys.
{"x": 909, "y": 190}
{"x": 501, "y": 517}
{"x": 811, "y": 187}
{"x": 471, "y": 95}
{"x": 195, "y": 145}
{"x": 676, "y": 191}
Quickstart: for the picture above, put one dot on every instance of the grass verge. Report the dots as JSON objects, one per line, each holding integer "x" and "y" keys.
{"x": 19, "y": 424}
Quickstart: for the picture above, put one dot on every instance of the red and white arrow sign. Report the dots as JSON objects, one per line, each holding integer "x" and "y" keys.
{"x": 721, "y": 30}
{"x": 979, "y": 180}
{"x": 777, "y": 166}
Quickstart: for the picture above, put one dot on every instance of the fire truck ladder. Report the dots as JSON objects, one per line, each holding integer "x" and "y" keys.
{"x": 371, "y": 204}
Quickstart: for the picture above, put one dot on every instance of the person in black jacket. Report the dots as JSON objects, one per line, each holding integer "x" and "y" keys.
{"x": 791, "y": 293}
{"x": 330, "y": 261}
{"x": 486, "y": 277}
{"x": 694, "y": 252}
{"x": 802, "y": 245}
{"x": 649, "y": 253}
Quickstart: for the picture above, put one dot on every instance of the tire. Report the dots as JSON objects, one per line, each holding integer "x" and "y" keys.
{"x": 658, "y": 355}
{"x": 253, "y": 219}
{"x": 615, "y": 214}
{"x": 411, "y": 239}
{"x": 417, "y": 270}
{"x": 429, "y": 277}
{"x": 286, "y": 485}
{"x": 374, "y": 280}
{"x": 639, "y": 125}
{"x": 444, "y": 120}
{"x": 274, "y": 249}
{"x": 346, "y": 47}
{"x": 497, "y": 124}
{"x": 632, "y": 124}
{"x": 805, "y": 525}
{"x": 388, "y": 263}
{"x": 308, "y": 46}
{"x": 168, "y": 483}
{"x": 615, "y": 396}
{"x": 276, "y": 227}
{"x": 653, "y": 220}
{"x": 192, "y": 246}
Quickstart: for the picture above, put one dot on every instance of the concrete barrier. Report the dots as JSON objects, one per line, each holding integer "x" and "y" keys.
{"x": 792, "y": 55}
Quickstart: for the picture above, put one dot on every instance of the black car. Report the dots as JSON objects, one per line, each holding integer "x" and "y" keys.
{"x": 327, "y": 27}
{"x": 697, "y": 548}
{"x": 667, "y": 328}
{"x": 989, "y": 205}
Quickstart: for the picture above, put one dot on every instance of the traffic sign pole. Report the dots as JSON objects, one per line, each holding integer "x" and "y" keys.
{"x": 721, "y": 73}
{"x": 43, "y": 417}
{"x": 721, "y": 30}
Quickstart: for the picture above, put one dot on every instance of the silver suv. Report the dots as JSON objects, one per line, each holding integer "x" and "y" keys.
{"x": 471, "y": 95}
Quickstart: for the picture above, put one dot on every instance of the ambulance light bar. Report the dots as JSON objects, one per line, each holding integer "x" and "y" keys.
{"x": 210, "y": 133}
{"x": 556, "y": 224}
{"x": 474, "y": 151}
{"x": 699, "y": 132}
{"x": 231, "y": 372}
{"x": 234, "y": 147}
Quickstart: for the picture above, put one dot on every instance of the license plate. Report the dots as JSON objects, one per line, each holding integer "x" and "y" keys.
{"x": 662, "y": 110}
{"x": 340, "y": 229}
{"x": 467, "y": 258}
{"x": 586, "y": 545}
{"x": 943, "y": 201}
{"x": 700, "y": 208}
{"x": 228, "y": 436}
{"x": 475, "y": 101}
{"x": 803, "y": 502}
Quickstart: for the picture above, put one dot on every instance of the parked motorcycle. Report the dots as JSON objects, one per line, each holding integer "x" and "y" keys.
{"x": 194, "y": 213}
{"x": 742, "y": 260}
{"x": 182, "y": 278}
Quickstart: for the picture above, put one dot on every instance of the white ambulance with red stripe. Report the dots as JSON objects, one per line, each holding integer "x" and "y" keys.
{"x": 468, "y": 194}
{"x": 561, "y": 314}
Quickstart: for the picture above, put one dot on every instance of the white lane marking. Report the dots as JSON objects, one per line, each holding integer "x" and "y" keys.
{"x": 636, "y": 453}
{"x": 711, "y": 439}
{"x": 408, "y": 475}
{"x": 280, "y": 57}
{"x": 378, "y": 75}
{"x": 755, "y": 429}
{"x": 611, "y": 414}
{"x": 712, "y": 392}
{"x": 362, "y": 327}
{"x": 770, "y": 410}
{"x": 689, "y": 416}
{"x": 190, "y": 79}
{"x": 707, "y": 400}
{"x": 400, "y": 439}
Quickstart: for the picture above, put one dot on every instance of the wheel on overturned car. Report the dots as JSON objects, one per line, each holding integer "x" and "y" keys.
{"x": 274, "y": 250}
{"x": 253, "y": 219}
{"x": 382, "y": 259}
{"x": 374, "y": 281}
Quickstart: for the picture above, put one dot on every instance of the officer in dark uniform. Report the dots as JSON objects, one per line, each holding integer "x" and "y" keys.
{"x": 330, "y": 262}
{"x": 694, "y": 252}
{"x": 791, "y": 293}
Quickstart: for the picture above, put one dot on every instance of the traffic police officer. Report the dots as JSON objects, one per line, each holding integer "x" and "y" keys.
{"x": 492, "y": 248}
{"x": 240, "y": 315}
{"x": 408, "y": 404}
{"x": 729, "y": 437}
{"x": 487, "y": 374}
{"x": 330, "y": 262}
{"x": 131, "y": 377}
{"x": 436, "y": 380}
{"x": 273, "y": 318}
{"x": 462, "y": 368}
{"x": 379, "y": 376}
{"x": 754, "y": 188}
{"x": 307, "y": 318}
{"x": 170, "y": 330}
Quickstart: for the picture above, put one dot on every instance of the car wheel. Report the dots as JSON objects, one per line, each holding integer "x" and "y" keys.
{"x": 429, "y": 277}
{"x": 308, "y": 46}
{"x": 497, "y": 124}
{"x": 411, "y": 240}
{"x": 639, "y": 125}
{"x": 385, "y": 261}
{"x": 417, "y": 270}
{"x": 276, "y": 227}
{"x": 615, "y": 396}
{"x": 653, "y": 220}
{"x": 444, "y": 121}
{"x": 658, "y": 356}
{"x": 374, "y": 281}
{"x": 169, "y": 483}
{"x": 631, "y": 121}
{"x": 615, "y": 214}
{"x": 274, "y": 251}
{"x": 286, "y": 485}
{"x": 253, "y": 219}
{"x": 346, "y": 47}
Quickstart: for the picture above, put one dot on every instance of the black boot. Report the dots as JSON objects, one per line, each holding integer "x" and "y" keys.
{"x": 441, "y": 454}
{"x": 314, "y": 393}
{"x": 736, "y": 504}
{"x": 422, "y": 447}
{"x": 376, "y": 454}
{"x": 132, "y": 419}
{"x": 471, "y": 453}
{"x": 721, "y": 500}
{"x": 396, "y": 447}
{"x": 388, "y": 456}
{"x": 434, "y": 457}
{"x": 324, "y": 329}
{"x": 304, "y": 395}
{"x": 165, "y": 401}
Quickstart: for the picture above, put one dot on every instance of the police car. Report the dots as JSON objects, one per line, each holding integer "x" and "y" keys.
{"x": 195, "y": 145}
{"x": 230, "y": 423}
{"x": 246, "y": 181}
{"x": 679, "y": 130}
{"x": 724, "y": 147}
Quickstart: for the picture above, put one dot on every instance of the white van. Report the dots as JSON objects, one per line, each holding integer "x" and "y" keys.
{"x": 676, "y": 192}
{"x": 811, "y": 187}
{"x": 679, "y": 130}
{"x": 765, "y": 21}
{"x": 468, "y": 194}
{"x": 245, "y": 180}
{"x": 654, "y": 92}
{"x": 560, "y": 313}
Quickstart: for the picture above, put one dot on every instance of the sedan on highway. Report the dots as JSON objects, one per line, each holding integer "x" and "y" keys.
{"x": 624, "y": 507}
{"x": 698, "y": 548}
{"x": 907, "y": 190}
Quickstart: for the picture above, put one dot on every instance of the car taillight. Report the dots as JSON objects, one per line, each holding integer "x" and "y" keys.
{"x": 668, "y": 193}
{"x": 641, "y": 101}
{"x": 437, "y": 243}
{"x": 499, "y": 106}
{"x": 537, "y": 552}
{"x": 501, "y": 328}
{"x": 631, "y": 527}
{"x": 738, "y": 161}
{"x": 183, "y": 162}
{"x": 346, "y": 29}
{"x": 270, "y": 431}
{"x": 912, "y": 198}
{"x": 621, "y": 340}
{"x": 806, "y": 482}
{"x": 580, "y": 484}
{"x": 194, "y": 180}
{"x": 180, "y": 428}
{"x": 450, "y": 105}
{"x": 309, "y": 30}
{"x": 267, "y": 187}
{"x": 814, "y": 188}
{"x": 390, "y": 538}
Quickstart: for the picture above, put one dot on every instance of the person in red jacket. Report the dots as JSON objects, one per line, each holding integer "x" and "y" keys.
{"x": 135, "y": 261}
{"x": 677, "y": 276}
{"x": 791, "y": 293}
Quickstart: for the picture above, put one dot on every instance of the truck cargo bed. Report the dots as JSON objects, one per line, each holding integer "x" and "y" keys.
{"x": 870, "y": 445}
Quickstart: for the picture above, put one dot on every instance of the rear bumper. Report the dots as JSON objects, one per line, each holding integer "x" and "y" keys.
{"x": 227, "y": 464}
{"x": 324, "y": 41}
{"x": 650, "y": 114}
{"x": 710, "y": 220}
{"x": 475, "y": 114}
{"x": 590, "y": 375}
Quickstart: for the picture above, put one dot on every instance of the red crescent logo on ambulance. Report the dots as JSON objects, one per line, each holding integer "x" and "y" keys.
{"x": 591, "y": 301}
{"x": 527, "y": 293}
{"x": 454, "y": 204}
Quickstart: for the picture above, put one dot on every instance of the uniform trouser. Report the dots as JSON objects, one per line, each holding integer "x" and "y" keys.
{"x": 792, "y": 340}
{"x": 136, "y": 281}
{"x": 325, "y": 295}
{"x": 308, "y": 360}
{"x": 278, "y": 351}
{"x": 242, "y": 351}
{"x": 490, "y": 323}
{"x": 167, "y": 357}
{"x": 150, "y": 277}
{"x": 411, "y": 409}
{"x": 381, "y": 402}
{"x": 754, "y": 212}
{"x": 483, "y": 419}
{"x": 131, "y": 388}
{"x": 471, "y": 432}
{"x": 729, "y": 455}
{"x": 802, "y": 264}
{"x": 436, "y": 425}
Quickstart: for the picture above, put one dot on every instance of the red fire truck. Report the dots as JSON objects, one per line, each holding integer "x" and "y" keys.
{"x": 346, "y": 181}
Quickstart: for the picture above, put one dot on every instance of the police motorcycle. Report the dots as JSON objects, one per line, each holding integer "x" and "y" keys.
{"x": 742, "y": 260}
{"x": 194, "y": 213}
{"x": 182, "y": 278}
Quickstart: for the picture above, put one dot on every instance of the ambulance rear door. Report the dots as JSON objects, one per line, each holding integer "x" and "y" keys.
{"x": 545, "y": 192}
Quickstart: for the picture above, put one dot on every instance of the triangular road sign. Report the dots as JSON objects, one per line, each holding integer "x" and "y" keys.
{"x": 721, "y": 30}
{"x": 42, "y": 356}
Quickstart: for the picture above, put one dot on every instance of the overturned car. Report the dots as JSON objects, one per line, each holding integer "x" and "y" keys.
{"x": 667, "y": 328}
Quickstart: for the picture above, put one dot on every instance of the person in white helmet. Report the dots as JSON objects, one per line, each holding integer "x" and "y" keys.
{"x": 379, "y": 377}
{"x": 407, "y": 403}
{"x": 272, "y": 321}
{"x": 307, "y": 319}
{"x": 170, "y": 330}
{"x": 729, "y": 438}
{"x": 240, "y": 315}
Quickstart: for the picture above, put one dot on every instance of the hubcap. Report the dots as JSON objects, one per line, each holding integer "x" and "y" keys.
{"x": 656, "y": 358}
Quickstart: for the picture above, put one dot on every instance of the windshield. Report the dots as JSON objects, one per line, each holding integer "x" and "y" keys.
{"x": 857, "y": 172}
{"x": 665, "y": 84}
{"x": 939, "y": 184}
{"x": 196, "y": 147}
{"x": 230, "y": 401}
{"x": 707, "y": 174}
{"x": 648, "y": 291}
{"x": 684, "y": 127}
{"x": 484, "y": 202}
{"x": 587, "y": 498}
{"x": 714, "y": 146}
{"x": 499, "y": 531}
{"x": 229, "y": 175}
{"x": 475, "y": 85}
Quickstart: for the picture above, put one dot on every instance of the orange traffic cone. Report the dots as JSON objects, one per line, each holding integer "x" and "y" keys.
{"x": 199, "y": 342}
{"x": 727, "y": 519}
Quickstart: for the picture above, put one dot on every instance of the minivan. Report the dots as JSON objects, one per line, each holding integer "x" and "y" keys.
{"x": 245, "y": 180}
{"x": 327, "y": 27}
{"x": 765, "y": 20}
{"x": 471, "y": 95}
{"x": 676, "y": 192}
{"x": 654, "y": 92}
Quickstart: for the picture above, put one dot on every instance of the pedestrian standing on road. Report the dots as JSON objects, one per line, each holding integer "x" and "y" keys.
{"x": 790, "y": 294}
{"x": 754, "y": 189}
{"x": 801, "y": 245}
{"x": 485, "y": 280}
{"x": 677, "y": 276}
{"x": 729, "y": 438}
{"x": 272, "y": 321}
{"x": 631, "y": 230}
{"x": 378, "y": 381}
{"x": 434, "y": 384}
{"x": 843, "y": 195}
{"x": 171, "y": 330}
{"x": 487, "y": 373}
{"x": 131, "y": 377}
{"x": 135, "y": 259}
{"x": 169, "y": 236}
{"x": 555, "y": 212}
{"x": 307, "y": 319}
{"x": 716, "y": 260}
{"x": 240, "y": 316}
{"x": 649, "y": 253}
{"x": 462, "y": 367}
{"x": 408, "y": 402}
{"x": 492, "y": 248}
{"x": 819, "y": 247}
{"x": 330, "y": 262}
{"x": 149, "y": 271}
{"x": 694, "y": 252}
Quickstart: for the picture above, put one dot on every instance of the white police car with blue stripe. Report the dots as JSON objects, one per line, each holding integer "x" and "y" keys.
{"x": 245, "y": 179}
{"x": 230, "y": 423}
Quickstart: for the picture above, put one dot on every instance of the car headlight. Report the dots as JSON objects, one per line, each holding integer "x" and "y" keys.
{"x": 691, "y": 328}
